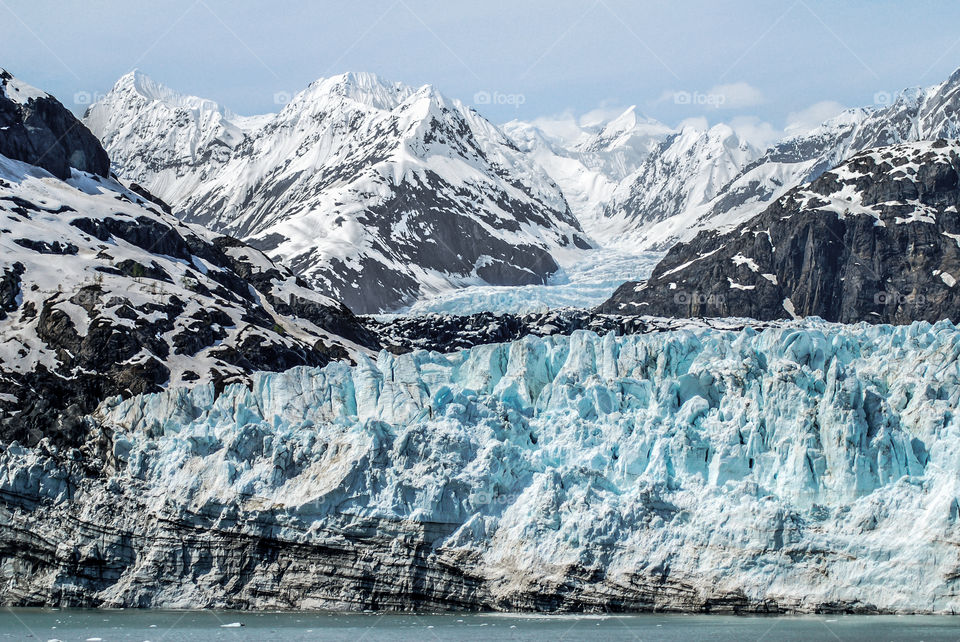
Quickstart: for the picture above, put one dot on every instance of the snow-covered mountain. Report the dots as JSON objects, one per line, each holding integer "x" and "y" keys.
{"x": 654, "y": 204}
{"x": 589, "y": 160}
{"x": 635, "y": 183}
{"x": 916, "y": 115}
{"x": 876, "y": 239}
{"x": 377, "y": 193}
{"x": 693, "y": 180}
{"x": 102, "y": 293}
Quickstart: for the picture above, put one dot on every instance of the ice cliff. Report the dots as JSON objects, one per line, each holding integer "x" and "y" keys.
{"x": 802, "y": 468}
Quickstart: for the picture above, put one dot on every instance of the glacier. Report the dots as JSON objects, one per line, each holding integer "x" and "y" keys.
{"x": 808, "y": 467}
{"x": 585, "y": 280}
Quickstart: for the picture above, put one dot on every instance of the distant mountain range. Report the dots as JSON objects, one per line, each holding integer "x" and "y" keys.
{"x": 376, "y": 193}
{"x": 354, "y": 181}
{"x": 674, "y": 184}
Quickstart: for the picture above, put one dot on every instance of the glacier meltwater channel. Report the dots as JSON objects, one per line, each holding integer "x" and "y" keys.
{"x": 802, "y": 466}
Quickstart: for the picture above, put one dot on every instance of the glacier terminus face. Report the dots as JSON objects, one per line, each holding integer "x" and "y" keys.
{"x": 801, "y": 468}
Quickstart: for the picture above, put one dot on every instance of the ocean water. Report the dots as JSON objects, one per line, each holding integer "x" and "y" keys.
{"x": 174, "y": 626}
{"x": 585, "y": 283}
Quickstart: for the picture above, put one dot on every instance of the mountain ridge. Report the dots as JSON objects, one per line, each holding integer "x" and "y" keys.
{"x": 874, "y": 239}
{"x": 349, "y": 182}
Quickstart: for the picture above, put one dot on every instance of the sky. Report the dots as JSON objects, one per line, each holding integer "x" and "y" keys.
{"x": 765, "y": 66}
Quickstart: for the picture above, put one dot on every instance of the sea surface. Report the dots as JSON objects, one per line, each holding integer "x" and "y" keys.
{"x": 174, "y": 626}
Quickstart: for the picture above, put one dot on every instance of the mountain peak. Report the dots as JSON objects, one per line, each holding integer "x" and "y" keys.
{"x": 17, "y": 90}
{"x": 365, "y": 88}
{"x": 625, "y": 121}
{"x": 137, "y": 83}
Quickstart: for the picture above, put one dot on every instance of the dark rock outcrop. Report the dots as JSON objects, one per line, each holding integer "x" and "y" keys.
{"x": 103, "y": 295}
{"x": 38, "y": 130}
{"x": 449, "y": 333}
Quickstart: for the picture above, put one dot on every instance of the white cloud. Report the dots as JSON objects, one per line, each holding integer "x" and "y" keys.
{"x": 561, "y": 126}
{"x": 758, "y": 133}
{"x": 699, "y": 123}
{"x": 601, "y": 115}
{"x": 737, "y": 95}
{"x": 800, "y": 122}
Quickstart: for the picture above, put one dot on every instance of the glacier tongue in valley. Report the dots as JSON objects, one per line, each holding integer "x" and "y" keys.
{"x": 809, "y": 467}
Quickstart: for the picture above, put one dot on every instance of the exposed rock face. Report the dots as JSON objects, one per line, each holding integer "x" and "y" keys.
{"x": 876, "y": 239}
{"x": 806, "y": 468}
{"x": 36, "y": 129}
{"x": 375, "y": 193}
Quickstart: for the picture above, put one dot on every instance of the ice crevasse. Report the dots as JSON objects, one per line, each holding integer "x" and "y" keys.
{"x": 810, "y": 464}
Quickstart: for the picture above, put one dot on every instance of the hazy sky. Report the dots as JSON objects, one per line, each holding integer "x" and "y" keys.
{"x": 733, "y": 59}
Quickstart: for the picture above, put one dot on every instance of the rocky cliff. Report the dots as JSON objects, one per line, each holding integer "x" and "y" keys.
{"x": 38, "y": 130}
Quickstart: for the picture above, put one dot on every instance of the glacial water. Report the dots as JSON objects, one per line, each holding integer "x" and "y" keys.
{"x": 174, "y": 626}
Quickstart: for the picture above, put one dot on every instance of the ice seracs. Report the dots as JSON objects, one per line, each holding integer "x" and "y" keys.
{"x": 804, "y": 468}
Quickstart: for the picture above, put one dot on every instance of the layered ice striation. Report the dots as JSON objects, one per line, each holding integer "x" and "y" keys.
{"x": 808, "y": 467}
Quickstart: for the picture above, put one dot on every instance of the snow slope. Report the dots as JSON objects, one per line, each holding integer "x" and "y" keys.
{"x": 809, "y": 467}
{"x": 377, "y": 193}
{"x": 657, "y": 203}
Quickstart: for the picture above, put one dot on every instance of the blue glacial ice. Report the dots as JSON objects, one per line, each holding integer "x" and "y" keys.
{"x": 808, "y": 464}
{"x": 585, "y": 283}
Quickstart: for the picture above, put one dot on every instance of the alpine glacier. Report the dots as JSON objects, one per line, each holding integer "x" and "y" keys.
{"x": 810, "y": 467}
{"x": 585, "y": 283}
